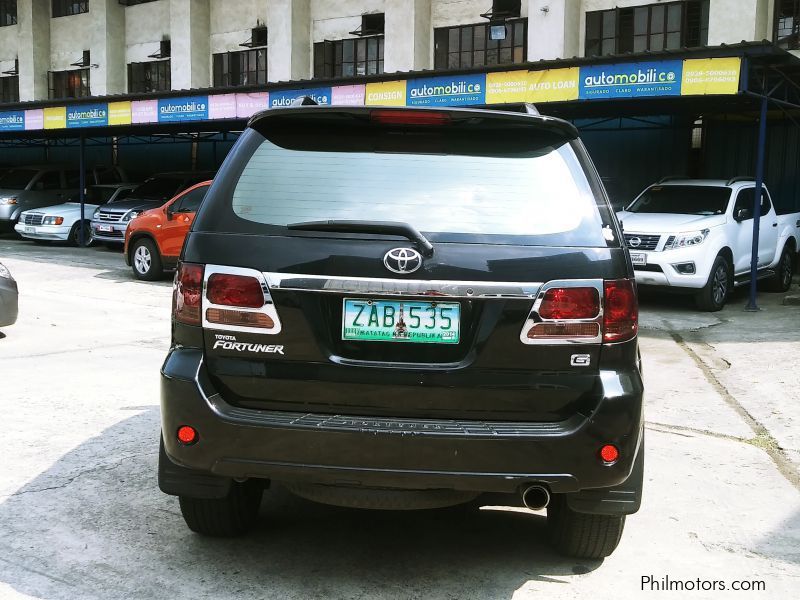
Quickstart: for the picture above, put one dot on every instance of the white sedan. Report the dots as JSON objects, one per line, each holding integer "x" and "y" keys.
{"x": 61, "y": 223}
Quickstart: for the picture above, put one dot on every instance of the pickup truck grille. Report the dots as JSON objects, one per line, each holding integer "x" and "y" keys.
{"x": 640, "y": 241}
{"x": 110, "y": 217}
{"x": 34, "y": 219}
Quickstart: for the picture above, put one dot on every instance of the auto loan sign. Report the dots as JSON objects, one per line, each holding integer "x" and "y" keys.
{"x": 632, "y": 80}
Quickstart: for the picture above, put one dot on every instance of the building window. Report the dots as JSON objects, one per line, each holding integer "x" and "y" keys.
{"x": 8, "y": 12}
{"x": 248, "y": 67}
{"x": 153, "y": 76}
{"x": 787, "y": 24}
{"x": 69, "y": 84}
{"x": 653, "y": 27}
{"x": 9, "y": 89}
{"x": 470, "y": 46}
{"x": 65, "y": 8}
{"x": 347, "y": 58}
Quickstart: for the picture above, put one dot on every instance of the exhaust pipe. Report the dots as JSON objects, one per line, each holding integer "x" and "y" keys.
{"x": 535, "y": 497}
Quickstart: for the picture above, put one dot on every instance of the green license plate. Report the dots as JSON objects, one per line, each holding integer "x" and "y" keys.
{"x": 403, "y": 321}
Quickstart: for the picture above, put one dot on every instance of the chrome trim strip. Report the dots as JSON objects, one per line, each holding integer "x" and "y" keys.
{"x": 402, "y": 287}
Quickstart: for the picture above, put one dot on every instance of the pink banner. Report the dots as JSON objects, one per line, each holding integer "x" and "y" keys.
{"x": 222, "y": 106}
{"x": 34, "y": 119}
{"x": 348, "y": 95}
{"x": 144, "y": 111}
{"x": 249, "y": 104}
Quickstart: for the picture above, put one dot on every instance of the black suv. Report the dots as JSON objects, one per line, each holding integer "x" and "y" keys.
{"x": 406, "y": 308}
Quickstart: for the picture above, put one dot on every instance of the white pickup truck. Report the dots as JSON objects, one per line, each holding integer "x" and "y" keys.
{"x": 697, "y": 234}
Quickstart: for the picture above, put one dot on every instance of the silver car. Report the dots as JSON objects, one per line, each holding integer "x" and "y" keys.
{"x": 23, "y": 188}
{"x": 8, "y": 298}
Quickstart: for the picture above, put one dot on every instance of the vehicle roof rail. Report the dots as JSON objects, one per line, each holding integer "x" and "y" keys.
{"x": 738, "y": 178}
{"x": 304, "y": 101}
{"x": 671, "y": 178}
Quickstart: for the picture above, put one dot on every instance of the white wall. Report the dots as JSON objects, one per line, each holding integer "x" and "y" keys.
{"x": 8, "y": 46}
{"x": 231, "y": 22}
{"x": 145, "y": 26}
{"x": 69, "y": 37}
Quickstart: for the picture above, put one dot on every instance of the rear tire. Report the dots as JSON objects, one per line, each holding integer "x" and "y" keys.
{"x": 146, "y": 261}
{"x": 230, "y": 516}
{"x": 716, "y": 290}
{"x": 782, "y": 280}
{"x": 581, "y": 535}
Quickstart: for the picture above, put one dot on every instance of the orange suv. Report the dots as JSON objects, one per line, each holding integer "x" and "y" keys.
{"x": 154, "y": 239}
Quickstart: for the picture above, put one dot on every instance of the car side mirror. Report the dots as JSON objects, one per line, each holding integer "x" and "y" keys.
{"x": 170, "y": 213}
{"x": 743, "y": 214}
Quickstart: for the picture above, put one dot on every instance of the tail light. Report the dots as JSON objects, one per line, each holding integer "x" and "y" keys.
{"x": 582, "y": 311}
{"x": 409, "y": 117}
{"x": 238, "y": 299}
{"x": 621, "y": 311}
{"x": 188, "y": 293}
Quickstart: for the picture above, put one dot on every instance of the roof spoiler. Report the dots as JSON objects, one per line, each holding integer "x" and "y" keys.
{"x": 671, "y": 178}
{"x": 739, "y": 178}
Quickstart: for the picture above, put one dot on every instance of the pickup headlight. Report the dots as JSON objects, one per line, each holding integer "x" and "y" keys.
{"x": 52, "y": 220}
{"x": 8, "y": 200}
{"x": 132, "y": 215}
{"x": 683, "y": 240}
{"x": 96, "y": 214}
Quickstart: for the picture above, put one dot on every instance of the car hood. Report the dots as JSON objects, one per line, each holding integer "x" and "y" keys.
{"x": 67, "y": 209}
{"x": 666, "y": 222}
{"x": 131, "y": 204}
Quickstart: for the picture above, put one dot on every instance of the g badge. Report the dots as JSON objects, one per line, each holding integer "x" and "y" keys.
{"x": 580, "y": 360}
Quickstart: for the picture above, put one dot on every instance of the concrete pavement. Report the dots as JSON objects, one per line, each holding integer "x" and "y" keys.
{"x": 81, "y": 515}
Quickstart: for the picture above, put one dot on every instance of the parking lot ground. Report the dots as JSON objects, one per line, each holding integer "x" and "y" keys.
{"x": 81, "y": 515}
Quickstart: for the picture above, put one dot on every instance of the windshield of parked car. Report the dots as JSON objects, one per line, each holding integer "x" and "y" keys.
{"x": 487, "y": 195}
{"x": 682, "y": 200}
{"x": 157, "y": 188}
{"x": 17, "y": 179}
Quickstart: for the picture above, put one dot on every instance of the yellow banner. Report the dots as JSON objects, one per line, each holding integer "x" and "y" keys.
{"x": 119, "y": 113}
{"x": 55, "y": 117}
{"x": 710, "y": 76}
{"x": 505, "y": 87}
{"x": 553, "y": 85}
{"x": 386, "y": 93}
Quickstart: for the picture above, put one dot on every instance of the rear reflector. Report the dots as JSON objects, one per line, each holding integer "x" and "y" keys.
{"x": 187, "y": 294}
{"x": 235, "y": 290}
{"x": 187, "y": 435}
{"x": 609, "y": 454}
{"x": 570, "y": 303}
{"x": 563, "y": 330}
{"x": 409, "y": 117}
{"x": 621, "y": 311}
{"x": 241, "y": 318}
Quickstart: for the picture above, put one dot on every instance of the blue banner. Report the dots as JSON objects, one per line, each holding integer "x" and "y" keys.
{"x": 87, "y": 115}
{"x": 321, "y": 96}
{"x": 458, "y": 90}
{"x": 632, "y": 80}
{"x": 173, "y": 110}
{"x": 12, "y": 120}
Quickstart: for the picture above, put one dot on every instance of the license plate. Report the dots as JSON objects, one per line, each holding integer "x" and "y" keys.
{"x": 638, "y": 258}
{"x": 401, "y": 321}
{"x": 30, "y": 230}
{"x": 105, "y": 228}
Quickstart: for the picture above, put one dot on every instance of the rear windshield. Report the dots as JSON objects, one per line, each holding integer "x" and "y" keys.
{"x": 683, "y": 200}
{"x": 17, "y": 179}
{"x": 157, "y": 188}
{"x": 538, "y": 194}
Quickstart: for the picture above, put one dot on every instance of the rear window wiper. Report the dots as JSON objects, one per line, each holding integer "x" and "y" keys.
{"x": 386, "y": 227}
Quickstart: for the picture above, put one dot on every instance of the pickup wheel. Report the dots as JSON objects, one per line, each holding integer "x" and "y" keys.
{"x": 582, "y": 535}
{"x": 782, "y": 280}
{"x": 715, "y": 292}
{"x": 146, "y": 261}
{"x": 233, "y": 515}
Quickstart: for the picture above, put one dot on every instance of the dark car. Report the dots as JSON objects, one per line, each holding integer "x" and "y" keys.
{"x": 110, "y": 222}
{"x": 408, "y": 308}
{"x": 9, "y": 298}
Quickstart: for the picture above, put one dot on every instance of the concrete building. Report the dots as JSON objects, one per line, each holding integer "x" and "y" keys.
{"x": 57, "y": 49}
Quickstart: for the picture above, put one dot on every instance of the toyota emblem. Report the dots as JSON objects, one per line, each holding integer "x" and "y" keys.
{"x": 402, "y": 260}
{"x": 634, "y": 242}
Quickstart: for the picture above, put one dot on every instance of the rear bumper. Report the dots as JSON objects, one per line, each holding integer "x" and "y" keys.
{"x": 397, "y": 453}
{"x": 9, "y": 303}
